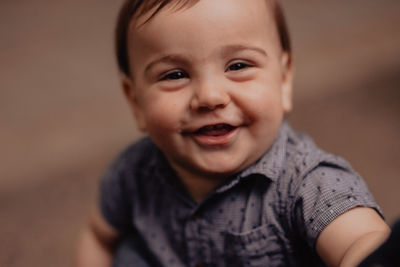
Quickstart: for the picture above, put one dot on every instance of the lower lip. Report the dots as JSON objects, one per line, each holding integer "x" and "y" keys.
{"x": 220, "y": 140}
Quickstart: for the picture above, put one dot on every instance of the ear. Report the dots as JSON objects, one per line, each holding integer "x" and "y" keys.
{"x": 287, "y": 81}
{"x": 130, "y": 93}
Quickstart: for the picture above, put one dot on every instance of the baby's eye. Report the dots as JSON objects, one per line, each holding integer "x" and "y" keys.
{"x": 238, "y": 66}
{"x": 175, "y": 75}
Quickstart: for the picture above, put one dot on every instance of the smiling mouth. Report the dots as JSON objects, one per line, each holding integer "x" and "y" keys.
{"x": 215, "y": 130}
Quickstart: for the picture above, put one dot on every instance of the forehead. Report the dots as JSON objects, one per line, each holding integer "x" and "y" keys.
{"x": 205, "y": 17}
{"x": 201, "y": 30}
{"x": 145, "y": 11}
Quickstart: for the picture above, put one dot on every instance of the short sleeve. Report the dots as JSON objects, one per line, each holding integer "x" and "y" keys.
{"x": 114, "y": 201}
{"x": 326, "y": 192}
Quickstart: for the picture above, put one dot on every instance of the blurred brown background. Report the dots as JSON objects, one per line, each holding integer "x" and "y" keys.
{"x": 63, "y": 117}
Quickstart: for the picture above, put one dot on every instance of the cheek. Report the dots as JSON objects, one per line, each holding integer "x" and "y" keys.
{"x": 163, "y": 113}
{"x": 261, "y": 101}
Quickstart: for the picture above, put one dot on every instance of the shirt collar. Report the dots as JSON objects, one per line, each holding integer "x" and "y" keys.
{"x": 269, "y": 165}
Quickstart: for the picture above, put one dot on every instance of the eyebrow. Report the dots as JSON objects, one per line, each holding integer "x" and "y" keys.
{"x": 172, "y": 58}
{"x": 225, "y": 51}
{"x": 230, "y": 49}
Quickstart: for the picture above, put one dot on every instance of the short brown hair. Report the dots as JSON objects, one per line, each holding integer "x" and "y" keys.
{"x": 137, "y": 8}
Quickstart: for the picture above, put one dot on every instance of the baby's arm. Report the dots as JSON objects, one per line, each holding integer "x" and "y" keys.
{"x": 351, "y": 237}
{"x": 96, "y": 243}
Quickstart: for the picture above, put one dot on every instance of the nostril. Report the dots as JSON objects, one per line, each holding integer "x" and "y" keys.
{"x": 204, "y": 105}
{"x": 203, "y": 109}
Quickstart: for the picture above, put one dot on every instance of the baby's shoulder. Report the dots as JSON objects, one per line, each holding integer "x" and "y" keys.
{"x": 305, "y": 160}
{"x": 142, "y": 150}
{"x": 135, "y": 160}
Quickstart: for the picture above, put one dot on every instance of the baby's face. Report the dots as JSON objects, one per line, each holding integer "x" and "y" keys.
{"x": 210, "y": 84}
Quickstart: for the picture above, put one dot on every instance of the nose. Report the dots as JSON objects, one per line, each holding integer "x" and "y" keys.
{"x": 209, "y": 95}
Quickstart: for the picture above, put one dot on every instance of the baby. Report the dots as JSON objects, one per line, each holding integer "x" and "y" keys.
{"x": 222, "y": 179}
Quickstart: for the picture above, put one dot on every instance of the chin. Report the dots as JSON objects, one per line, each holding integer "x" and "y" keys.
{"x": 221, "y": 168}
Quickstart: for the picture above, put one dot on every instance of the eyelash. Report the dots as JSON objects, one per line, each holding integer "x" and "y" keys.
{"x": 238, "y": 66}
{"x": 176, "y": 75}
